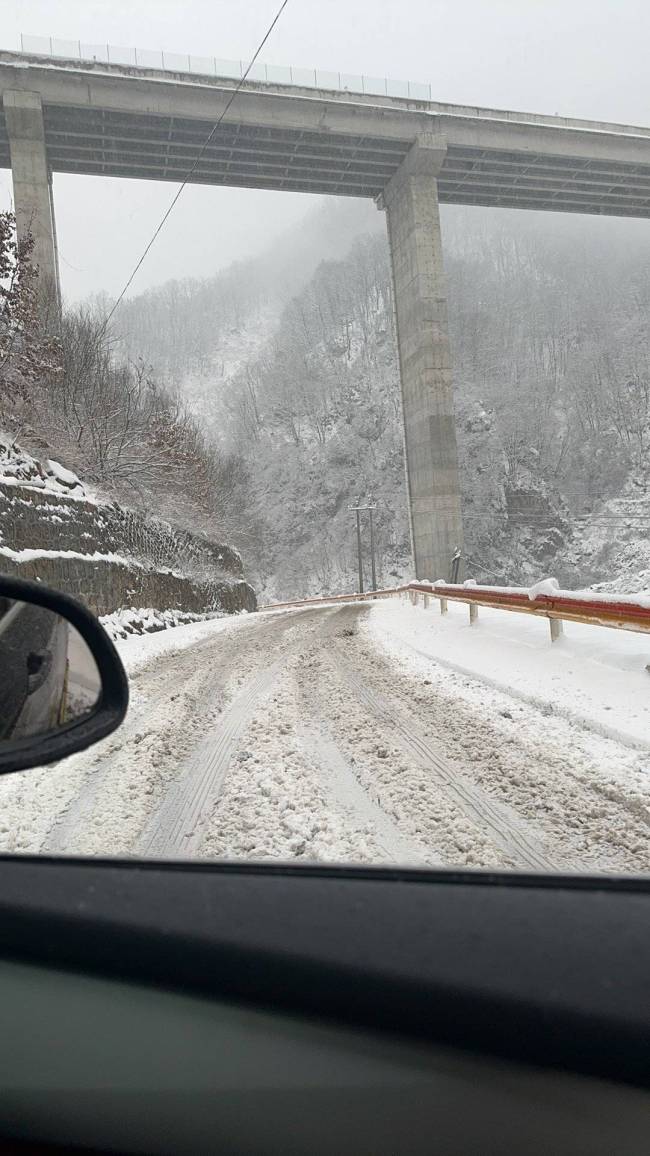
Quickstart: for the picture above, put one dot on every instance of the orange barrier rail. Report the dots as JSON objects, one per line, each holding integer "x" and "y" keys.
{"x": 624, "y": 612}
{"x": 621, "y": 612}
{"x": 335, "y": 598}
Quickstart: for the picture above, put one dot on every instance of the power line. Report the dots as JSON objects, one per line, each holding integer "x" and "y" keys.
{"x": 200, "y": 153}
{"x": 551, "y": 524}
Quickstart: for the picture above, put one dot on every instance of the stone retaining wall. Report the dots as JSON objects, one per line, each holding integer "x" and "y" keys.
{"x": 165, "y": 568}
{"x": 106, "y": 586}
{"x": 34, "y": 519}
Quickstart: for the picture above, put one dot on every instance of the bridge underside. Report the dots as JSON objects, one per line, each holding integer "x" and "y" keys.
{"x": 152, "y": 147}
{"x": 94, "y": 119}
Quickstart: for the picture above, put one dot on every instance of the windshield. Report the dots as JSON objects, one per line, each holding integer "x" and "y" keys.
{"x": 325, "y": 384}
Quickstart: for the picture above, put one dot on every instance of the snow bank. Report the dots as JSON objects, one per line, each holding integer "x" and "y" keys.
{"x": 138, "y": 650}
{"x": 593, "y": 676}
{"x": 129, "y": 620}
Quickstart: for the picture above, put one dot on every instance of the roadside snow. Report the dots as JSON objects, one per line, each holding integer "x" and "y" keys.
{"x": 592, "y": 675}
{"x": 140, "y": 620}
{"x": 138, "y": 650}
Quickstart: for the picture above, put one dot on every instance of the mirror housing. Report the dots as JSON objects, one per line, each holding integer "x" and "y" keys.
{"x": 16, "y": 754}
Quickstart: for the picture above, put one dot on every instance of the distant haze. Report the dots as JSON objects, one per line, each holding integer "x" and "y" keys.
{"x": 576, "y": 57}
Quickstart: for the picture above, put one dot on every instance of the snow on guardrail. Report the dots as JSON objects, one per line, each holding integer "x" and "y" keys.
{"x": 544, "y": 599}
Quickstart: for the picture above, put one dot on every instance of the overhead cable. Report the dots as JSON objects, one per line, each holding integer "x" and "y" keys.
{"x": 194, "y": 166}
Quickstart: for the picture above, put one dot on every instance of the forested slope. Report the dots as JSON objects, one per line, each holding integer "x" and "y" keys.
{"x": 551, "y": 348}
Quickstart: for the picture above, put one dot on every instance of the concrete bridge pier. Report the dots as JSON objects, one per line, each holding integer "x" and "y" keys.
{"x": 32, "y": 185}
{"x": 411, "y": 202}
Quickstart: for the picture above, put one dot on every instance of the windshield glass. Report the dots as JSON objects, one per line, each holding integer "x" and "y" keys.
{"x": 325, "y": 384}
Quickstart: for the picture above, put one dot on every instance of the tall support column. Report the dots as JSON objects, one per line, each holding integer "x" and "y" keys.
{"x": 411, "y": 203}
{"x": 33, "y": 188}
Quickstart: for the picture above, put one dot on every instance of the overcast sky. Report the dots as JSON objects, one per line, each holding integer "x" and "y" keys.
{"x": 584, "y": 58}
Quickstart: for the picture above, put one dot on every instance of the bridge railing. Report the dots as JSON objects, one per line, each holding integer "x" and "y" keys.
{"x": 545, "y": 600}
{"x": 128, "y": 57}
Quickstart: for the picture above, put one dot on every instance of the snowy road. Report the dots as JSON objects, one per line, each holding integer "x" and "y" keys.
{"x": 300, "y": 735}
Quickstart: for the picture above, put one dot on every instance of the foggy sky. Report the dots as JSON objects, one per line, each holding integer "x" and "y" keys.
{"x": 585, "y": 58}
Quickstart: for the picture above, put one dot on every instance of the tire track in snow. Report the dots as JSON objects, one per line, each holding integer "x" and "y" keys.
{"x": 179, "y": 825}
{"x": 73, "y": 818}
{"x": 348, "y": 793}
{"x": 106, "y": 762}
{"x": 498, "y": 821}
{"x": 152, "y": 686}
{"x": 177, "y": 828}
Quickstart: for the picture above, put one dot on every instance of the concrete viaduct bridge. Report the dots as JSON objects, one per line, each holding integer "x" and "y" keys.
{"x": 72, "y": 116}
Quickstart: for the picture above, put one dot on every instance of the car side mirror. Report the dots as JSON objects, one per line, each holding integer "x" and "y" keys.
{"x": 62, "y": 683}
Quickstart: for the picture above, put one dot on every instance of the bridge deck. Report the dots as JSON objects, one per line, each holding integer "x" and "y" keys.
{"x": 113, "y": 121}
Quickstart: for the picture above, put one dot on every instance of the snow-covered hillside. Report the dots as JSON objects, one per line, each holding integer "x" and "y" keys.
{"x": 297, "y": 376}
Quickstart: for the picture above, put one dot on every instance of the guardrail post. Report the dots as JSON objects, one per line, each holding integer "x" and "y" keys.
{"x": 473, "y": 613}
{"x": 425, "y": 599}
{"x": 556, "y": 628}
{"x": 443, "y": 606}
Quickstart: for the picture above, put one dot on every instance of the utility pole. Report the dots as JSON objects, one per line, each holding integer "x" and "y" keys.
{"x": 372, "y": 548}
{"x": 358, "y": 510}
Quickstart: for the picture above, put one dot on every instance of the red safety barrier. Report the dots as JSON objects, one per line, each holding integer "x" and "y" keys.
{"x": 622, "y": 612}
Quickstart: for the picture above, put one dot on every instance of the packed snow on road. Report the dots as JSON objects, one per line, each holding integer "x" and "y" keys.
{"x": 363, "y": 733}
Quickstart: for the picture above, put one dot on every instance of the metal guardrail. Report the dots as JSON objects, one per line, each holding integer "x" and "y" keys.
{"x": 622, "y": 613}
{"x": 127, "y": 57}
{"x": 336, "y": 598}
